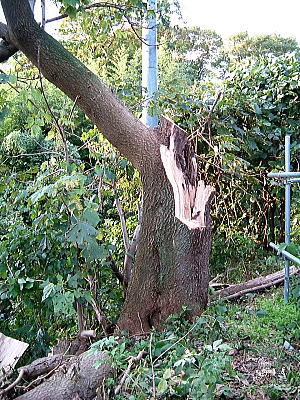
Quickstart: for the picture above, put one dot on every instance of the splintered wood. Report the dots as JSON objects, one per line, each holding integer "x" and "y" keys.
{"x": 11, "y": 351}
{"x": 192, "y": 197}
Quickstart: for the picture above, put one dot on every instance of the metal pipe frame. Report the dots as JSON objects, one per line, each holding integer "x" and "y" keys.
{"x": 287, "y": 216}
{"x": 285, "y": 254}
{"x": 283, "y": 175}
{"x": 286, "y": 178}
{"x": 149, "y": 63}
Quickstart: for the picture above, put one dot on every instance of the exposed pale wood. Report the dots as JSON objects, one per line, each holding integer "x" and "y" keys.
{"x": 192, "y": 197}
{"x": 260, "y": 283}
{"x": 11, "y": 350}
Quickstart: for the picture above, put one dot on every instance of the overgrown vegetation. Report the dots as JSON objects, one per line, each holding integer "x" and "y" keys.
{"x": 62, "y": 244}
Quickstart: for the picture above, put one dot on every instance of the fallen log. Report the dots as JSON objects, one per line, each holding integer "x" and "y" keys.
{"x": 79, "y": 378}
{"x": 257, "y": 284}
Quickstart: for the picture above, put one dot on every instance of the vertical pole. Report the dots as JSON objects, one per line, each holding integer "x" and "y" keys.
{"x": 287, "y": 216}
{"x": 149, "y": 62}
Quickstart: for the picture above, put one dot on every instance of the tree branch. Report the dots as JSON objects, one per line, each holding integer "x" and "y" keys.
{"x": 132, "y": 138}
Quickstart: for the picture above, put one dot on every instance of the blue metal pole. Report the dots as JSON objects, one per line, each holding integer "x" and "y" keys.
{"x": 287, "y": 216}
{"x": 149, "y": 63}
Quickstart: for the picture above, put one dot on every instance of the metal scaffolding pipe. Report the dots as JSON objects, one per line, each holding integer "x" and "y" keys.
{"x": 149, "y": 62}
{"x": 285, "y": 254}
{"x": 287, "y": 216}
{"x": 283, "y": 175}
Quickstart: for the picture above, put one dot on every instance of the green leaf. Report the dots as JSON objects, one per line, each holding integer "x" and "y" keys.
{"x": 48, "y": 290}
{"x": 257, "y": 109}
{"x": 81, "y": 233}
{"x": 4, "y": 78}
{"x": 94, "y": 252}
{"x": 162, "y": 386}
{"x": 90, "y": 216}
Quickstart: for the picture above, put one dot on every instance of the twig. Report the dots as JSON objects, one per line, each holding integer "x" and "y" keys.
{"x": 73, "y": 108}
{"x": 123, "y": 224}
{"x": 116, "y": 270}
{"x": 12, "y": 385}
{"x": 152, "y": 367}
{"x": 132, "y": 360}
{"x": 130, "y": 254}
{"x": 99, "y": 314}
{"x": 108, "y": 5}
{"x": 177, "y": 341}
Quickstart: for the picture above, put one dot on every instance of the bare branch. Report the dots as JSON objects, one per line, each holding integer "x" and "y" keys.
{"x": 130, "y": 254}
{"x": 123, "y": 224}
{"x": 132, "y": 360}
{"x": 12, "y": 385}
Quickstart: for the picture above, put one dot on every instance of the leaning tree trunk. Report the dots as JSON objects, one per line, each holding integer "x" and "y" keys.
{"x": 171, "y": 267}
{"x": 172, "y": 260}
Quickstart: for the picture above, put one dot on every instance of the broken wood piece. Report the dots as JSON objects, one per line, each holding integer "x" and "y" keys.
{"x": 11, "y": 350}
{"x": 192, "y": 197}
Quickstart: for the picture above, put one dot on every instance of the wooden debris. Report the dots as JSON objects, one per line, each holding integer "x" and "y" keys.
{"x": 11, "y": 350}
{"x": 260, "y": 283}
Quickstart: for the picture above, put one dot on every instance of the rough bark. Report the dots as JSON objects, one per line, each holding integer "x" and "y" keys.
{"x": 79, "y": 377}
{"x": 6, "y": 48}
{"x": 172, "y": 261}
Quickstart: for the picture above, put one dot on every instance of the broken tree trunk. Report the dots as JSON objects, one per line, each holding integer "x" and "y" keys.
{"x": 260, "y": 283}
{"x": 171, "y": 268}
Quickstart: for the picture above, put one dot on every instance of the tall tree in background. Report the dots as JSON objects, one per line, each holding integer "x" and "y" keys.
{"x": 242, "y": 45}
{"x": 171, "y": 265}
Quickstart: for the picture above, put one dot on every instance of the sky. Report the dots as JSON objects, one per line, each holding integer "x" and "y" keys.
{"x": 227, "y": 17}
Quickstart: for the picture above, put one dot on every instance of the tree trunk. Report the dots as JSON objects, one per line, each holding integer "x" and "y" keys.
{"x": 172, "y": 260}
{"x": 171, "y": 267}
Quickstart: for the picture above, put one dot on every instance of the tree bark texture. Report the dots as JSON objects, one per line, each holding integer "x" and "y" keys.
{"x": 172, "y": 261}
{"x": 78, "y": 378}
{"x": 171, "y": 265}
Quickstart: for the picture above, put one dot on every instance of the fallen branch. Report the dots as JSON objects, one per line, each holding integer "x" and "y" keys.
{"x": 12, "y": 385}
{"x": 132, "y": 360}
{"x": 257, "y": 284}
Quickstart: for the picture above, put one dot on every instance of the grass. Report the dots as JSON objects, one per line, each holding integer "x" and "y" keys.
{"x": 265, "y": 334}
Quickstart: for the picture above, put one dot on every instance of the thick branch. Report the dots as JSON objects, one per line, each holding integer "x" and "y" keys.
{"x": 118, "y": 125}
{"x": 6, "y": 48}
